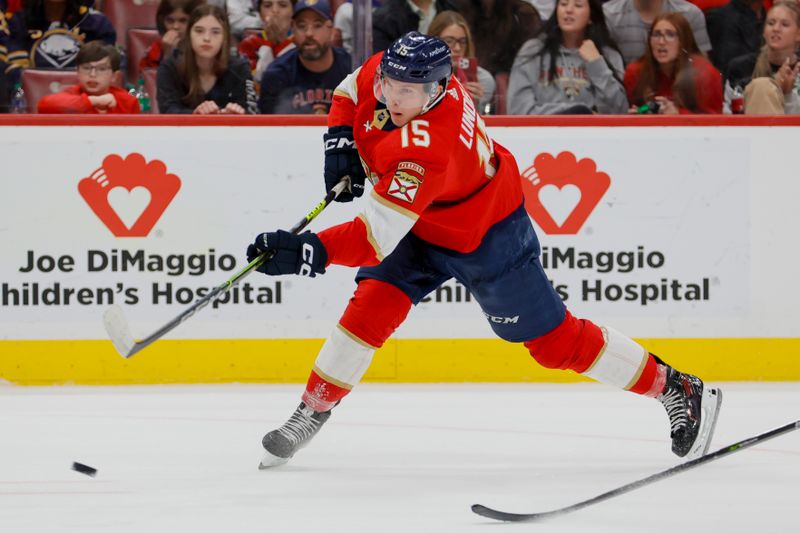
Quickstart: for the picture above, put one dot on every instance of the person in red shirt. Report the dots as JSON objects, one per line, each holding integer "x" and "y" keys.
{"x": 673, "y": 76}
{"x": 172, "y": 20}
{"x": 446, "y": 203}
{"x": 274, "y": 40}
{"x": 98, "y": 65}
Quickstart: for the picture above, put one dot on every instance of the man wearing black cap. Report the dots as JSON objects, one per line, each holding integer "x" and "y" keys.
{"x": 302, "y": 81}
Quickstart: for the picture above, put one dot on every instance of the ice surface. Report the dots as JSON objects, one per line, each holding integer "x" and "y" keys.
{"x": 393, "y": 458}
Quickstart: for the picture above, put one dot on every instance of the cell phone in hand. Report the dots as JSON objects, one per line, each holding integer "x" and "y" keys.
{"x": 467, "y": 69}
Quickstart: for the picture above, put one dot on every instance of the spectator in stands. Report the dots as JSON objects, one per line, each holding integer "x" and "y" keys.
{"x": 3, "y": 60}
{"x": 98, "y": 65}
{"x": 302, "y": 80}
{"x": 735, "y": 30}
{"x": 47, "y": 34}
{"x": 673, "y": 76}
{"x": 275, "y": 39}
{"x": 774, "y": 70}
{"x": 499, "y": 28}
{"x": 573, "y": 67}
{"x": 201, "y": 77}
{"x": 243, "y": 15}
{"x": 172, "y": 19}
{"x": 452, "y": 28}
{"x": 398, "y": 17}
{"x": 629, "y": 22}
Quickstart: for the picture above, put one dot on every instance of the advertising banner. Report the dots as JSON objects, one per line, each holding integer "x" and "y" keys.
{"x": 665, "y": 233}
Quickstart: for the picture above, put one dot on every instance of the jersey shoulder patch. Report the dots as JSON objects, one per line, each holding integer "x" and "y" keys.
{"x": 406, "y": 181}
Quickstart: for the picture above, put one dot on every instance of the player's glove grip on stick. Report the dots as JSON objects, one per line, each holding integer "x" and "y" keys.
{"x": 341, "y": 159}
{"x": 302, "y": 254}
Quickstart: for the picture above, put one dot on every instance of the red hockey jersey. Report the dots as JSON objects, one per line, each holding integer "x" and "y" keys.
{"x": 440, "y": 176}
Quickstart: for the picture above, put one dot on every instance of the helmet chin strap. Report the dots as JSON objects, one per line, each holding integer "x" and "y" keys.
{"x": 436, "y": 99}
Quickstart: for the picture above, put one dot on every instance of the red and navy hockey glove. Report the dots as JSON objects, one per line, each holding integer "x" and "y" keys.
{"x": 302, "y": 254}
{"x": 341, "y": 159}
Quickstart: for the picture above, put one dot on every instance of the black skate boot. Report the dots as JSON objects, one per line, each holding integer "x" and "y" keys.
{"x": 692, "y": 410}
{"x": 282, "y": 443}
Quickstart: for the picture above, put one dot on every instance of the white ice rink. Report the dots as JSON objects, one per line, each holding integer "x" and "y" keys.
{"x": 392, "y": 458}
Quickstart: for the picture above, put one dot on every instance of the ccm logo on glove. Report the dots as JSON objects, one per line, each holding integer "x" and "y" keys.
{"x": 342, "y": 159}
{"x": 341, "y": 142}
{"x": 289, "y": 254}
{"x": 308, "y": 260}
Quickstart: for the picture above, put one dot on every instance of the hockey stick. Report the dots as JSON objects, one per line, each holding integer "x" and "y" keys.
{"x": 117, "y": 327}
{"x": 535, "y": 517}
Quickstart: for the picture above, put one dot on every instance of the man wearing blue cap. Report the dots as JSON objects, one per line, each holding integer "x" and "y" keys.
{"x": 302, "y": 81}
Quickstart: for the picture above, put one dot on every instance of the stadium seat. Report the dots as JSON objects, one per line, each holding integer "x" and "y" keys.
{"x": 149, "y": 75}
{"x": 139, "y": 41}
{"x": 126, "y": 14}
{"x": 39, "y": 82}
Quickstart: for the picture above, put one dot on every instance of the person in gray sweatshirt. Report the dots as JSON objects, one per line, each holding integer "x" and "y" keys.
{"x": 571, "y": 67}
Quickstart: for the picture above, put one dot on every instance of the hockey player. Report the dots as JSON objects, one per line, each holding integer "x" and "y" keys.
{"x": 446, "y": 203}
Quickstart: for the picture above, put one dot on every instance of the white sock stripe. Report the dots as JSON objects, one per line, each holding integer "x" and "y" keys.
{"x": 330, "y": 379}
{"x": 621, "y": 362}
{"x": 343, "y": 359}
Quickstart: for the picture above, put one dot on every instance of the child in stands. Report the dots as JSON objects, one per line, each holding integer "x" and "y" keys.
{"x": 98, "y": 66}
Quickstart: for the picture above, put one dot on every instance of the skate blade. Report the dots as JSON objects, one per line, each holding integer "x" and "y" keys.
{"x": 712, "y": 401}
{"x": 271, "y": 461}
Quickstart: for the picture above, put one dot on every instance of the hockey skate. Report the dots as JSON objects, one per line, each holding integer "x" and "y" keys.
{"x": 693, "y": 410}
{"x": 282, "y": 443}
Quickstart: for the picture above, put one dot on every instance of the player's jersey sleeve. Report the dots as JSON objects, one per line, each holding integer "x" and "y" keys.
{"x": 416, "y": 159}
{"x": 345, "y": 99}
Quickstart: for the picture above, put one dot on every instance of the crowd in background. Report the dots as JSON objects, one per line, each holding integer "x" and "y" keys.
{"x": 520, "y": 57}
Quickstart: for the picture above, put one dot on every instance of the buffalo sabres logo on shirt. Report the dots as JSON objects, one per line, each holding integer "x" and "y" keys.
{"x": 56, "y": 49}
{"x": 406, "y": 181}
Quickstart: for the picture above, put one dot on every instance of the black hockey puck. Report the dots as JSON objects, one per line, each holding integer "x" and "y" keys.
{"x": 84, "y": 469}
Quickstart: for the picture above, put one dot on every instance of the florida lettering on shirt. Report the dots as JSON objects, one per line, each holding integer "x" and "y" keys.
{"x": 311, "y": 97}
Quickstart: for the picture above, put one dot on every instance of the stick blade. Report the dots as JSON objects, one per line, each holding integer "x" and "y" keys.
{"x": 494, "y": 514}
{"x": 118, "y": 331}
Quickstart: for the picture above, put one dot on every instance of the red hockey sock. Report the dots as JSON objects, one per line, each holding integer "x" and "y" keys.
{"x": 321, "y": 395}
{"x": 573, "y": 344}
{"x": 653, "y": 379}
{"x": 376, "y": 309}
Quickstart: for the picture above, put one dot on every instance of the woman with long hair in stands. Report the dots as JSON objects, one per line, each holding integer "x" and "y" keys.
{"x": 572, "y": 67}
{"x": 767, "y": 83}
{"x": 452, "y": 28}
{"x": 203, "y": 78}
{"x": 673, "y": 76}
